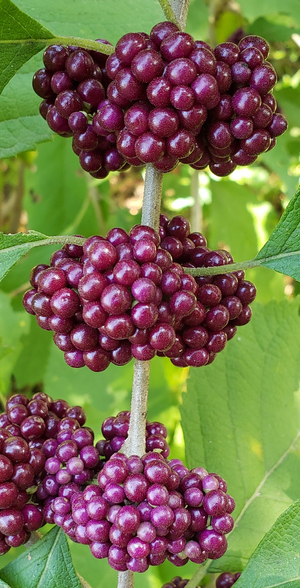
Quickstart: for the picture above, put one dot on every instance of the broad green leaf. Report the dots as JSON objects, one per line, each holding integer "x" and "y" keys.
{"x": 273, "y": 29}
{"x": 243, "y": 238}
{"x": 240, "y": 418}
{"x": 13, "y": 247}
{"x": 21, "y": 126}
{"x": 13, "y": 327}
{"x": 47, "y": 563}
{"x": 276, "y": 561}
{"x": 256, "y": 8}
{"x": 283, "y": 245}
{"x": 21, "y": 37}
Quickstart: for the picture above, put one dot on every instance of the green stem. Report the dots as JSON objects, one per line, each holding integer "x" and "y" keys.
{"x": 194, "y": 582}
{"x": 242, "y": 265}
{"x": 221, "y": 269}
{"x": 168, "y": 11}
{"x": 76, "y": 41}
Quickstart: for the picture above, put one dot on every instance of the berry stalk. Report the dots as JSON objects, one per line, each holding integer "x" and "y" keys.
{"x": 168, "y": 11}
{"x": 198, "y": 576}
{"x": 83, "y": 43}
{"x": 135, "y": 443}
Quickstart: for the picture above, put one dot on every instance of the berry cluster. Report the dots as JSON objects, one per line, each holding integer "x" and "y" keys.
{"x": 225, "y": 580}
{"x": 145, "y": 510}
{"x": 37, "y": 438}
{"x": 115, "y": 432}
{"x": 125, "y": 296}
{"x": 162, "y": 98}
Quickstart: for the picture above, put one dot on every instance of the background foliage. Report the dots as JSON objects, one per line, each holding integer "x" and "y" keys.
{"x": 246, "y": 426}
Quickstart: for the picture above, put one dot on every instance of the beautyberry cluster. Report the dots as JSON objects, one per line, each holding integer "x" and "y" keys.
{"x": 162, "y": 98}
{"x": 37, "y": 462}
{"x": 128, "y": 296}
{"x": 225, "y": 580}
{"x": 115, "y": 432}
{"x": 145, "y": 510}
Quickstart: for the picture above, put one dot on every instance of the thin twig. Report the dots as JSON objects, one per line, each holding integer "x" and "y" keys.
{"x": 135, "y": 443}
{"x": 194, "y": 582}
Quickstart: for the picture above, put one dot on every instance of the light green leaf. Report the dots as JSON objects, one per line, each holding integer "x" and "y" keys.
{"x": 47, "y": 563}
{"x": 240, "y": 418}
{"x": 256, "y": 8}
{"x": 283, "y": 245}
{"x": 4, "y": 585}
{"x": 21, "y": 37}
{"x": 13, "y": 247}
{"x": 276, "y": 560}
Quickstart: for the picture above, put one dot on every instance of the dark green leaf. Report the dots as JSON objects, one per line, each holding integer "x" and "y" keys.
{"x": 21, "y": 37}
{"x": 47, "y": 563}
{"x": 240, "y": 418}
{"x": 284, "y": 243}
{"x": 13, "y": 247}
{"x": 276, "y": 560}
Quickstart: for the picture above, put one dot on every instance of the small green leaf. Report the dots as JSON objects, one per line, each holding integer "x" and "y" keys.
{"x": 284, "y": 244}
{"x": 47, "y": 564}
{"x": 276, "y": 560}
{"x": 21, "y": 37}
{"x": 13, "y": 247}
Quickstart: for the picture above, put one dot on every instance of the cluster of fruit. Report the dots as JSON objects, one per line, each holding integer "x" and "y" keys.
{"x": 225, "y": 580}
{"x": 47, "y": 454}
{"x": 31, "y": 432}
{"x": 128, "y": 296}
{"x": 115, "y": 432}
{"x": 146, "y": 510}
{"x": 142, "y": 511}
{"x": 162, "y": 98}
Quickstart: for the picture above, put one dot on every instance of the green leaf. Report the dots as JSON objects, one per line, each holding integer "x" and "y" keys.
{"x": 21, "y": 126}
{"x": 13, "y": 247}
{"x": 4, "y": 585}
{"x": 272, "y": 30}
{"x": 21, "y": 37}
{"x": 47, "y": 563}
{"x": 284, "y": 243}
{"x": 277, "y": 555}
{"x": 240, "y": 418}
{"x": 256, "y": 8}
